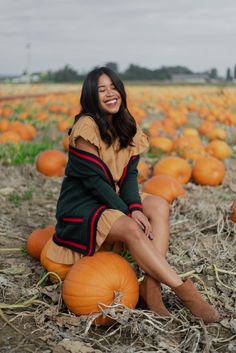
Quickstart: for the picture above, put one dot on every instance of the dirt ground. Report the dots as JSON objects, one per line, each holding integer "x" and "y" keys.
{"x": 33, "y": 317}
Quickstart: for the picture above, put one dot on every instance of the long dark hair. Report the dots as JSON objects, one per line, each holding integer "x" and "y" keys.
{"x": 123, "y": 125}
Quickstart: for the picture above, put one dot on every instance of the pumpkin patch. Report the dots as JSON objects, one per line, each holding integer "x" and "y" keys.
{"x": 191, "y": 164}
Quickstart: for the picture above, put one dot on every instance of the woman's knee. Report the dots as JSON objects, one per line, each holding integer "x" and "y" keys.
{"x": 156, "y": 205}
{"x": 134, "y": 232}
{"x": 125, "y": 229}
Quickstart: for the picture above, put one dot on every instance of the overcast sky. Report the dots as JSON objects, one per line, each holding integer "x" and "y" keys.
{"x": 199, "y": 34}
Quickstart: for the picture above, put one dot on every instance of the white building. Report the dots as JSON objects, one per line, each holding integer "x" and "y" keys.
{"x": 190, "y": 78}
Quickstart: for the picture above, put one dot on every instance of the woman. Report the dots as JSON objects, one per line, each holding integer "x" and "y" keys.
{"x": 100, "y": 207}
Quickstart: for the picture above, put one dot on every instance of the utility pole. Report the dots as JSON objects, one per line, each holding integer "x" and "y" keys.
{"x": 28, "y": 58}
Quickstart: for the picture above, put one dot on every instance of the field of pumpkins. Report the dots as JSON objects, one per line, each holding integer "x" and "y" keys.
{"x": 190, "y": 163}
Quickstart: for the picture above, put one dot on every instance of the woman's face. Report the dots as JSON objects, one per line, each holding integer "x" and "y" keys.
{"x": 108, "y": 96}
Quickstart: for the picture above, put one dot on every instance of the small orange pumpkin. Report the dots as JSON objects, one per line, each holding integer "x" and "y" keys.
{"x": 217, "y": 133}
{"x": 4, "y": 125}
{"x": 188, "y": 131}
{"x": 37, "y": 239}
{"x": 143, "y": 170}
{"x": 31, "y": 131}
{"x": 189, "y": 147}
{"x": 163, "y": 144}
{"x": 10, "y": 137}
{"x": 24, "y": 132}
{"x": 100, "y": 279}
{"x": 206, "y": 127}
{"x": 219, "y": 149}
{"x": 176, "y": 167}
{"x": 208, "y": 171}
{"x": 164, "y": 186}
{"x": 51, "y": 163}
{"x": 60, "y": 269}
{"x": 63, "y": 125}
{"x": 65, "y": 143}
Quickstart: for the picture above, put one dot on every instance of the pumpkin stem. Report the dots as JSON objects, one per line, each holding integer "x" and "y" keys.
{"x": 118, "y": 295}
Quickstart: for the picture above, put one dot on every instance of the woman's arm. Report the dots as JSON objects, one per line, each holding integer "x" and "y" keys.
{"x": 86, "y": 146}
{"x": 129, "y": 190}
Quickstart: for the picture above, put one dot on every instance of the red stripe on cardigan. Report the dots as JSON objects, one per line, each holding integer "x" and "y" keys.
{"x": 123, "y": 176}
{"x": 133, "y": 205}
{"x": 71, "y": 219}
{"x": 120, "y": 182}
{"x": 92, "y": 228}
{"x": 91, "y": 159}
{"x": 80, "y": 246}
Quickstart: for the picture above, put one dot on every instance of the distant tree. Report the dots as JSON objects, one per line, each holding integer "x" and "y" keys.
{"x": 163, "y": 73}
{"x": 213, "y": 73}
{"x": 135, "y": 72}
{"x": 177, "y": 69}
{"x": 67, "y": 74}
{"x": 113, "y": 66}
{"x": 47, "y": 76}
{"x": 228, "y": 75}
{"x": 235, "y": 72}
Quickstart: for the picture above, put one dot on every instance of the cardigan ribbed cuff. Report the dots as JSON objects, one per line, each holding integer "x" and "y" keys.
{"x": 135, "y": 207}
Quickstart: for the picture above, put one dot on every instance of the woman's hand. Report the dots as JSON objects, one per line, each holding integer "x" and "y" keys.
{"x": 143, "y": 222}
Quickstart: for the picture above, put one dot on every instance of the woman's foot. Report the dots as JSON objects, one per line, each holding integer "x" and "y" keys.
{"x": 151, "y": 297}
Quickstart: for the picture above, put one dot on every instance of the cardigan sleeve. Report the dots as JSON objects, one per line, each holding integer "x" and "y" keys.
{"x": 129, "y": 190}
{"x": 104, "y": 192}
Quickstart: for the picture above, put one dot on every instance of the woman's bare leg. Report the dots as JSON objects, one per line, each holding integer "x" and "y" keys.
{"x": 143, "y": 252}
{"x": 156, "y": 210}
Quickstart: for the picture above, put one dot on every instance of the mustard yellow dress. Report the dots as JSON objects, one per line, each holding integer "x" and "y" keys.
{"x": 116, "y": 161}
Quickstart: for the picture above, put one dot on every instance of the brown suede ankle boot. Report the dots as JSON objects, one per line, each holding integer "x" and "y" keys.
{"x": 193, "y": 300}
{"x": 150, "y": 294}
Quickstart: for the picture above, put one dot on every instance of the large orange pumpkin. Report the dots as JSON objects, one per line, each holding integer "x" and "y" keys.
{"x": 208, "y": 171}
{"x": 176, "y": 167}
{"x": 51, "y": 163}
{"x": 164, "y": 186}
{"x": 37, "y": 239}
{"x": 103, "y": 278}
{"x": 51, "y": 266}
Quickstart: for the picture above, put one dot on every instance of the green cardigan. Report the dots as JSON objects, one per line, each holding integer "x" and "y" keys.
{"x": 87, "y": 190}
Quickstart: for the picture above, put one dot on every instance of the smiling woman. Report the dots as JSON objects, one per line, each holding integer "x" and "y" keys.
{"x": 100, "y": 207}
